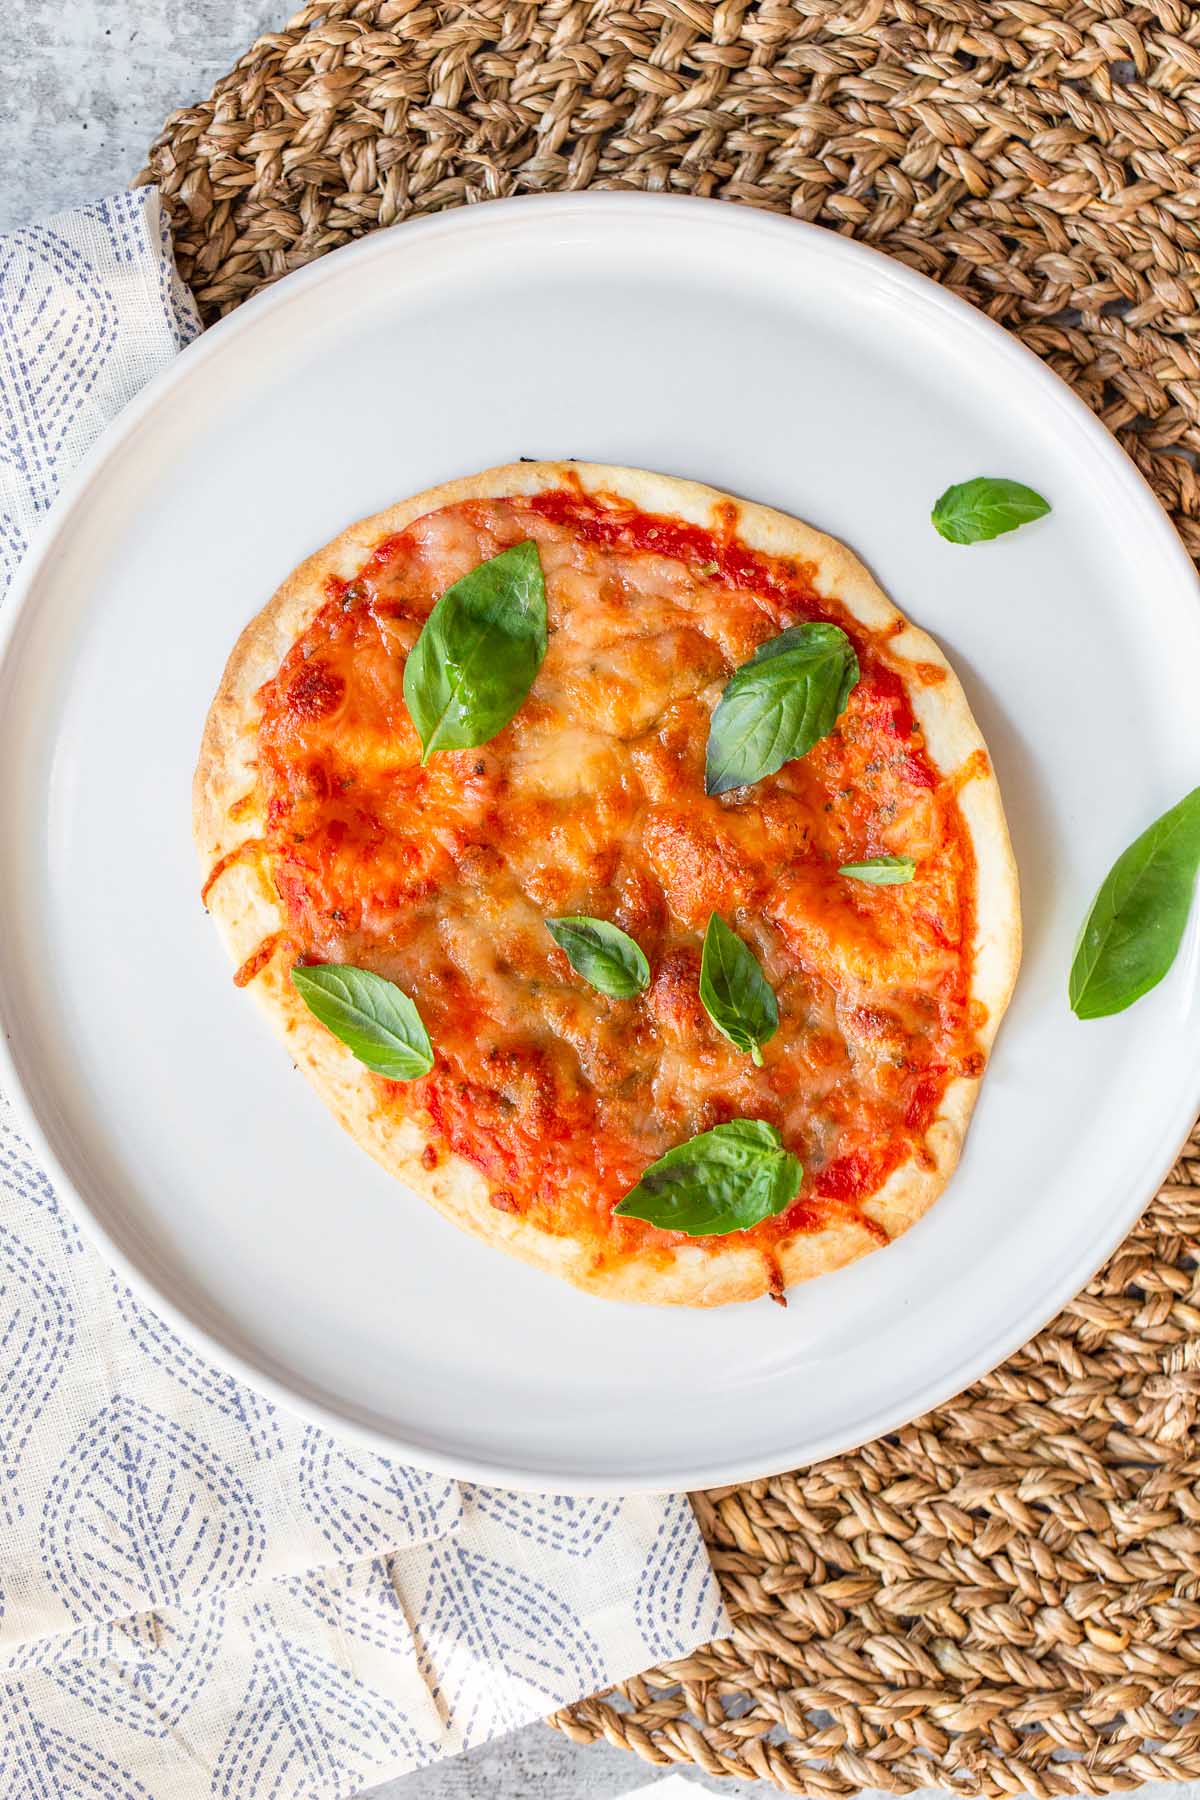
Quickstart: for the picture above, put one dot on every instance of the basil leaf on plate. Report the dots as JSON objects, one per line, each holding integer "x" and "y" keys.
{"x": 985, "y": 508}
{"x": 603, "y": 954}
{"x": 728, "y": 1179}
{"x": 1133, "y": 930}
{"x": 881, "y": 871}
{"x": 372, "y": 1016}
{"x": 734, "y": 992}
{"x": 478, "y": 652}
{"x": 779, "y": 704}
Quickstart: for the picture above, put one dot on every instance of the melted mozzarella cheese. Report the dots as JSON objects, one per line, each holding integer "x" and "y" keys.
{"x": 592, "y": 800}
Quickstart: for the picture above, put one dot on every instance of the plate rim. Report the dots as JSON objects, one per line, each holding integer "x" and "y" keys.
{"x": 249, "y": 317}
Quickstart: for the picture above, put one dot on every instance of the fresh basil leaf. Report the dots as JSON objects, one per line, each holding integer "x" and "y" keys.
{"x": 779, "y": 704}
{"x": 372, "y": 1016}
{"x": 478, "y": 652}
{"x": 728, "y": 1179}
{"x": 881, "y": 871}
{"x": 1133, "y": 930}
{"x": 986, "y": 508}
{"x": 734, "y": 992}
{"x": 603, "y": 954}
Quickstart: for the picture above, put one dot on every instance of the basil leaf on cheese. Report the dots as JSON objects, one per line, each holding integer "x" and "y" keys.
{"x": 603, "y": 954}
{"x": 372, "y": 1016}
{"x": 734, "y": 992}
{"x": 728, "y": 1179}
{"x": 478, "y": 652}
{"x": 1135, "y": 925}
{"x": 779, "y": 704}
{"x": 985, "y": 508}
{"x": 881, "y": 871}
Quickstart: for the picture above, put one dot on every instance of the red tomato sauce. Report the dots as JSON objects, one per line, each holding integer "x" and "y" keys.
{"x": 592, "y": 800}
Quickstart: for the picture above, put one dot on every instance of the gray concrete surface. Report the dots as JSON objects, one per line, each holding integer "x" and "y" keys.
{"x": 88, "y": 84}
{"x": 538, "y": 1764}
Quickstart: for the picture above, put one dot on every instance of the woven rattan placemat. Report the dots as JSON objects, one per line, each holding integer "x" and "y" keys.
{"x": 1005, "y": 1596}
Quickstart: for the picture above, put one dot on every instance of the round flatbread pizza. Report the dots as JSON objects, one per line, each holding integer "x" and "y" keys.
{"x": 626, "y": 874}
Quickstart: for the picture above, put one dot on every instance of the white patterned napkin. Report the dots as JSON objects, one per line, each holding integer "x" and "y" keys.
{"x": 200, "y": 1595}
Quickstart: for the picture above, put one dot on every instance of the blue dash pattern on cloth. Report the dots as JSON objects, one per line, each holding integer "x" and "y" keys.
{"x": 201, "y": 1596}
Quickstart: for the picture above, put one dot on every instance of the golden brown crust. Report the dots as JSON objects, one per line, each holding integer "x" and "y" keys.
{"x": 246, "y": 909}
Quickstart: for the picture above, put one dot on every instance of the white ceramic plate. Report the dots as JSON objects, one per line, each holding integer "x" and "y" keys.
{"x": 766, "y": 357}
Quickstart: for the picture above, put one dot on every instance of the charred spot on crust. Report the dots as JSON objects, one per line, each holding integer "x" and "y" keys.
{"x": 775, "y": 1283}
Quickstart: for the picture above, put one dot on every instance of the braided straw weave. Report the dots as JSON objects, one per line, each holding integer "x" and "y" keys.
{"x": 1005, "y": 1596}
